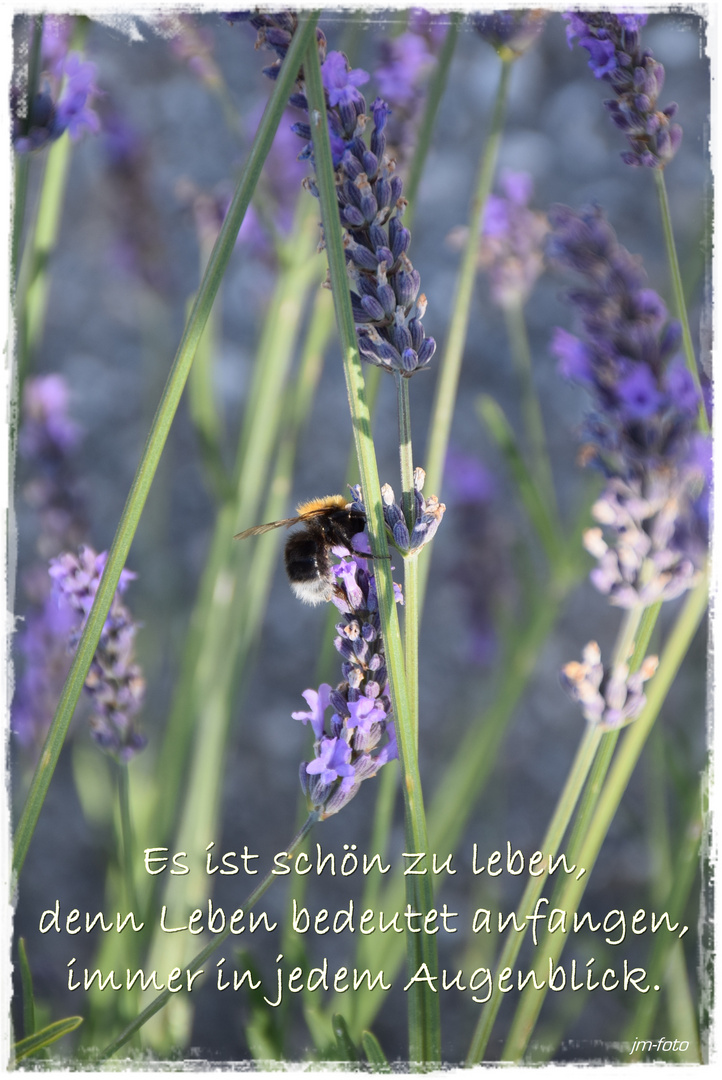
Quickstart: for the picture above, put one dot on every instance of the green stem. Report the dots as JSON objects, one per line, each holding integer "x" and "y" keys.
{"x": 424, "y": 1019}
{"x": 550, "y": 845}
{"x": 411, "y": 577}
{"x": 156, "y": 441}
{"x": 126, "y": 831}
{"x": 411, "y": 637}
{"x": 34, "y": 281}
{"x": 678, "y": 290}
{"x": 570, "y": 892}
{"x": 590, "y": 778}
{"x": 196, "y": 963}
{"x": 406, "y": 457}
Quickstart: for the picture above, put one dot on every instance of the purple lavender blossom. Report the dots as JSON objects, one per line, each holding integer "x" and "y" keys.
{"x": 387, "y": 305}
{"x": 340, "y": 82}
{"x": 281, "y": 183}
{"x": 512, "y": 241}
{"x": 63, "y": 101}
{"x": 511, "y": 33}
{"x": 114, "y": 681}
{"x": 616, "y": 55}
{"x": 57, "y": 32}
{"x": 405, "y": 59}
{"x": 406, "y": 63}
{"x": 47, "y": 441}
{"x": 346, "y": 745}
{"x": 429, "y": 25}
{"x": 611, "y": 698}
{"x": 651, "y": 537}
{"x": 73, "y": 113}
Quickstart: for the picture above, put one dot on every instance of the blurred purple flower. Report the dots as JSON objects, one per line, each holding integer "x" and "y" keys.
{"x": 512, "y": 241}
{"x": 511, "y": 33}
{"x": 481, "y": 572}
{"x": 406, "y": 63}
{"x": 114, "y": 682}
{"x": 467, "y": 479}
{"x": 57, "y": 32}
{"x": 651, "y": 537}
{"x": 46, "y": 427}
{"x": 404, "y": 60}
{"x": 427, "y": 24}
{"x": 615, "y": 55}
{"x": 610, "y": 698}
{"x": 73, "y": 112}
{"x": 63, "y": 100}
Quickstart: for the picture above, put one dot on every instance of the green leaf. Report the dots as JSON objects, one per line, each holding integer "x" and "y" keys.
{"x": 344, "y": 1043}
{"x": 50, "y": 1034}
{"x": 374, "y": 1054}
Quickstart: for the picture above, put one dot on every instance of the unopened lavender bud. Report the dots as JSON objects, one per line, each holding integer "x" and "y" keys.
{"x": 383, "y": 192}
{"x": 378, "y": 237}
{"x": 426, "y": 351}
{"x": 427, "y": 523}
{"x": 397, "y": 187}
{"x": 373, "y": 308}
{"x": 401, "y": 339}
{"x": 401, "y": 536}
{"x": 407, "y": 284}
{"x": 352, "y": 217}
{"x": 387, "y": 299}
{"x": 362, "y": 257}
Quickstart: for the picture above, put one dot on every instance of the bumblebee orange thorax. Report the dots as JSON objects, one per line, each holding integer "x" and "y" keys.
{"x": 326, "y": 502}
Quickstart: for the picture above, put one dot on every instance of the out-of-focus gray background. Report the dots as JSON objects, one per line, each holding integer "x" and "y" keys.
{"x": 558, "y": 130}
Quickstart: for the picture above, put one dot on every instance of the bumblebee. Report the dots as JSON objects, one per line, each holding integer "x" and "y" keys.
{"x": 327, "y": 523}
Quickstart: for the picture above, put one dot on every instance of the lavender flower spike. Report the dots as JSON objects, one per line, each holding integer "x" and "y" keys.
{"x": 610, "y": 698}
{"x": 427, "y": 516}
{"x": 512, "y": 241}
{"x": 388, "y": 306}
{"x": 616, "y": 55}
{"x": 346, "y": 747}
{"x": 114, "y": 682}
{"x": 652, "y": 518}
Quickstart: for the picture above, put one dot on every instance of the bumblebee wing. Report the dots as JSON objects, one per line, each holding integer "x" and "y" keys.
{"x": 258, "y": 529}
